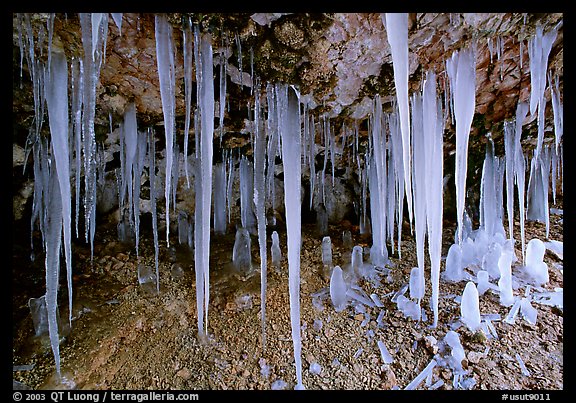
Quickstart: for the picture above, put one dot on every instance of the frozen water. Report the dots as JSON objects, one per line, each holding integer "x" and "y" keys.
{"x": 39, "y": 314}
{"x": 279, "y": 384}
{"x": 220, "y": 198}
{"x": 408, "y": 307}
{"x": 241, "y": 255}
{"x": 523, "y": 368}
{"x": 491, "y": 258}
{"x": 527, "y": 311}
{"x": 470, "y": 307}
{"x": 327, "y": 251}
{"x": 117, "y": 17}
{"x": 315, "y": 368}
{"x": 483, "y": 282}
{"x": 247, "y": 195}
{"x": 397, "y": 33}
{"x": 165, "y": 60}
{"x": 357, "y": 263}
{"x": 417, "y": 283}
{"x": 505, "y": 282}
{"x": 338, "y": 289}
{"x": 535, "y": 266}
{"x": 461, "y": 68}
{"x": 457, "y": 351}
{"x": 454, "y": 268}
{"x": 289, "y": 124}
{"x": 421, "y": 376}
{"x": 275, "y": 251}
{"x": 511, "y": 317}
{"x": 520, "y": 170}
{"x": 556, "y": 247}
{"x": 384, "y": 353}
{"x": 152, "y": 176}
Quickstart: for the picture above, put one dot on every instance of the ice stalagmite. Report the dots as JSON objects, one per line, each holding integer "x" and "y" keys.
{"x": 165, "y": 60}
{"x": 259, "y": 197}
{"x": 187, "y": 43}
{"x": 461, "y": 69}
{"x": 470, "y": 307}
{"x": 275, "y": 252}
{"x": 57, "y": 101}
{"x": 433, "y": 137}
{"x": 397, "y": 33}
{"x": 291, "y": 151}
{"x": 203, "y": 181}
{"x": 520, "y": 171}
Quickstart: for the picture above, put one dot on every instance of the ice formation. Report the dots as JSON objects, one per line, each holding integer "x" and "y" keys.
{"x": 505, "y": 282}
{"x": 338, "y": 289}
{"x": 275, "y": 252}
{"x": 470, "y": 307}
{"x": 454, "y": 267}
{"x": 289, "y": 124}
{"x": 242, "y": 252}
{"x": 535, "y": 266}
{"x": 461, "y": 68}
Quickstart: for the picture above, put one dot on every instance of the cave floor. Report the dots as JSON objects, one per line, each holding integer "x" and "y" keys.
{"x": 125, "y": 336}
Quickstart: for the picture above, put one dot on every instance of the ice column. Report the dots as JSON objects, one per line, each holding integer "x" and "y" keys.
{"x": 291, "y": 156}
{"x": 470, "y": 307}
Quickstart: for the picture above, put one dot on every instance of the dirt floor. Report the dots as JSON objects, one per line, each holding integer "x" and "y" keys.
{"x": 125, "y": 336}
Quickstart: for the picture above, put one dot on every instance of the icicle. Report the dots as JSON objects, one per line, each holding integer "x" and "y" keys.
{"x": 203, "y": 182}
{"x": 130, "y": 146}
{"x": 77, "y": 90}
{"x": 384, "y": 353}
{"x": 462, "y": 73}
{"x": 291, "y": 149}
{"x": 175, "y": 174}
{"x": 220, "y": 198}
{"x": 539, "y": 48}
{"x": 397, "y": 32}
{"x": 312, "y": 159}
{"x": 165, "y": 60}
{"x": 520, "y": 171}
{"x": 57, "y": 101}
{"x": 137, "y": 169}
{"x": 117, "y": 17}
{"x": 152, "y": 176}
{"x": 558, "y": 110}
{"x": 187, "y": 93}
{"x": 247, "y": 194}
{"x": 419, "y": 176}
{"x": 223, "y": 79}
{"x": 239, "y": 49}
{"x": 259, "y": 198}
{"x": 53, "y": 243}
{"x": 510, "y": 156}
{"x": 230, "y": 185}
{"x": 421, "y": 376}
{"x": 433, "y": 124}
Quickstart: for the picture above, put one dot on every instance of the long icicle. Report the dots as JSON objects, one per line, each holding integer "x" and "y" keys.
{"x": 397, "y": 33}
{"x": 165, "y": 59}
{"x": 187, "y": 92}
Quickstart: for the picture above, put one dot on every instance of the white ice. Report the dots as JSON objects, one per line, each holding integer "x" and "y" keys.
{"x": 470, "y": 307}
{"x": 454, "y": 267}
{"x": 338, "y": 289}
{"x": 535, "y": 266}
{"x": 276, "y": 253}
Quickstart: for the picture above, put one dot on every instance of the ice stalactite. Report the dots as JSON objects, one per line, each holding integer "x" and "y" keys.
{"x": 223, "y": 82}
{"x": 57, "y": 102}
{"x": 433, "y": 125}
{"x": 259, "y": 203}
{"x": 557, "y": 109}
{"x": 117, "y": 17}
{"x": 461, "y": 69}
{"x": 130, "y": 148}
{"x": 395, "y": 136}
{"x": 247, "y": 195}
{"x": 153, "y": 197}
{"x": 520, "y": 171}
{"x": 165, "y": 60}
{"x": 490, "y": 202}
{"x": 187, "y": 44}
{"x": 53, "y": 243}
{"x": 537, "y": 203}
{"x": 76, "y": 115}
{"x": 289, "y": 124}
{"x": 539, "y": 48}
{"x": 390, "y": 193}
{"x": 175, "y": 174}
{"x": 377, "y": 183}
{"x": 419, "y": 177}
{"x": 509, "y": 154}
{"x": 230, "y": 183}
{"x": 272, "y": 146}
{"x": 220, "y": 198}
{"x": 312, "y": 149}
{"x": 203, "y": 182}
{"x": 397, "y": 33}
{"x": 137, "y": 182}
{"x": 93, "y": 40}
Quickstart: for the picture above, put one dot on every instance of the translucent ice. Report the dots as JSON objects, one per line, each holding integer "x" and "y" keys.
{"x": 417, "y": 283}
{"x": 384, "y": 353}
{"x": 556, "y": 247}
{"x": 338, "y": 289}
{"x": 422, "y": 375}
{"x": 535, "y": 266}
{"x": 454, "y": 268}
{"x": 483, "y": 282}
{"x": 470, "y": 307}
{"x": 315, "y": 368}
{"x": 527, "y": 311}
{"x": 241, "y": 255}
{"x": 408, "y": 307}
{"x": 457, "y": 354}
{"x": 505, "y": 282}
{"x": 275, "y": 251}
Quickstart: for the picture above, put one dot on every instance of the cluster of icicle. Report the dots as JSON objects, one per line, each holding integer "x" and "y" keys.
{"x": 403, "y": 162}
